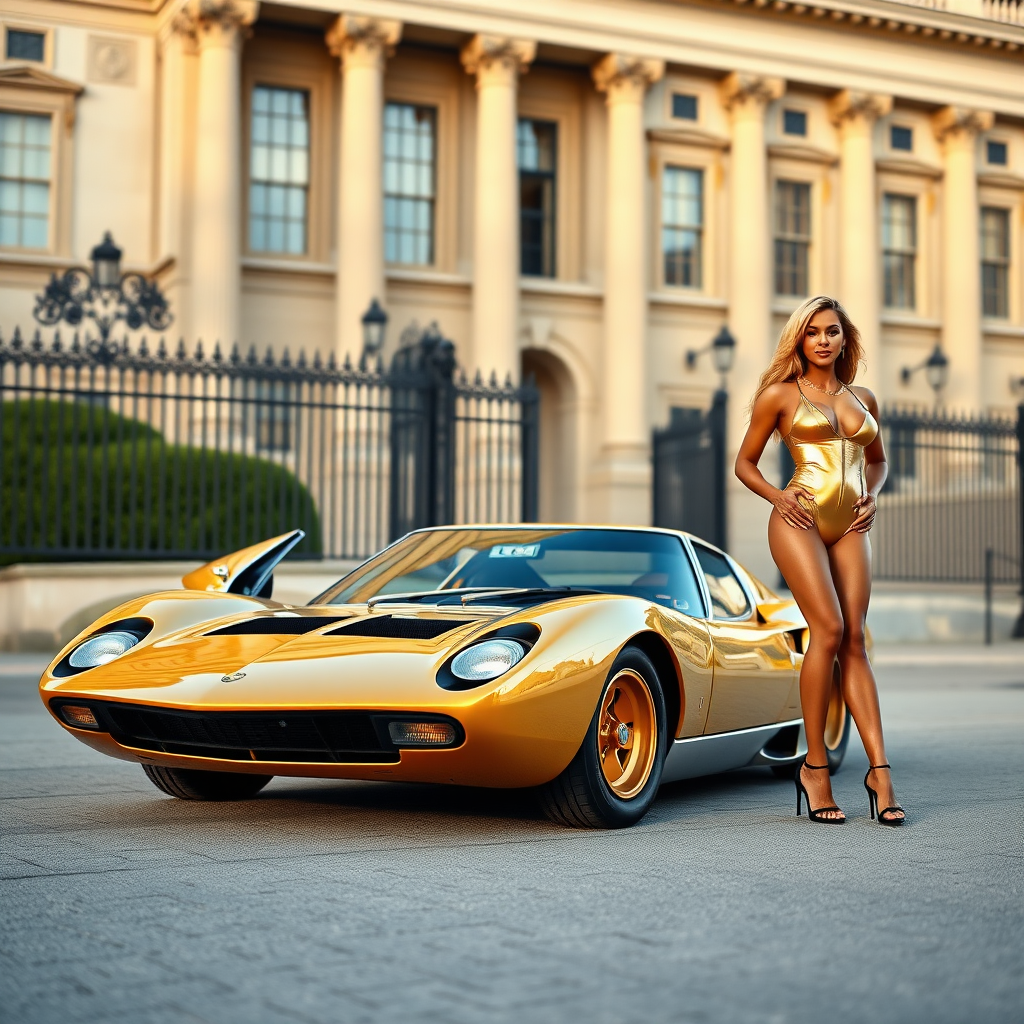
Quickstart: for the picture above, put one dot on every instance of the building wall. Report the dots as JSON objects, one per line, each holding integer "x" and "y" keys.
{"x": 130, "y": 73}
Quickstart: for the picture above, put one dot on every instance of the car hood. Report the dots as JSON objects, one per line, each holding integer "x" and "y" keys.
{"x": 342, "y": 656}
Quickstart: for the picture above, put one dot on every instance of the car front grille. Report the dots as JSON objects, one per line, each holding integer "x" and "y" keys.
{"x": 348, "y": 737}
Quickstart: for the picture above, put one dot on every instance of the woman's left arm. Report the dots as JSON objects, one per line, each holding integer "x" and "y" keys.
{"x": 876, "y": 469}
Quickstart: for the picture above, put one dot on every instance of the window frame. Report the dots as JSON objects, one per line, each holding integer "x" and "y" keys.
{"x": 260, "y": 69}
{"x": 432, "y": 261}
{"x": 806, "y": 241}
{"x": 914, "y": 253}
{"x": 1006, "y": 152}
{"x": 45, "y": 31}
{"x": 695, "y": 96}
{"x": 709, "y": 605}
{"x": 701, "y": 229}
{"x": 794, "y": 110}
{"x": 247, "y": 225}
{"x": 1003, "y": 263}
{"x": 891, "y": 135}
{"x": 24, "y": 89}
{"x": 552, "y": 215}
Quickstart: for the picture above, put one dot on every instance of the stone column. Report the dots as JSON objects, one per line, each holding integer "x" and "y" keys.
{"x": 362, "y": 44}
{"x": 854, "y": 114}
{"x": 750, "y": 302}
{"x": 216, "y": 276}
{"x": 497, "y": 63}
{"x": 957, "y": 129}
{"x": 623, "y": 493}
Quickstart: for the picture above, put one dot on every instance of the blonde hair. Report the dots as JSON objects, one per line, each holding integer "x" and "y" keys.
{"x": 788, "y": 363}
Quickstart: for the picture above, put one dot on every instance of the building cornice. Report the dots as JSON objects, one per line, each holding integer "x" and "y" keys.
{"x": 893, "y": 17}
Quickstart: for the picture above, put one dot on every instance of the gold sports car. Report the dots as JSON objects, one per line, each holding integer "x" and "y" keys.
{"x": 591, "y": 663}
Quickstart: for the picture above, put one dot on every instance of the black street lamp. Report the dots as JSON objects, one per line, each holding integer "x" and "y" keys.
{"x": 104, "y": 297}
{"x": 936, "y": 369}
{"x": 723, "y": 352}
{"x": 375, "y": 322}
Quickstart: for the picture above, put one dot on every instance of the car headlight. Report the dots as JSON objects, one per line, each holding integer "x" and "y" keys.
{"x": 99, "y": 650}
{"x": 486, "y": 660}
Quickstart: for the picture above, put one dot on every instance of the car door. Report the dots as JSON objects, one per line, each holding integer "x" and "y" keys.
{"x": 754, "y": 661}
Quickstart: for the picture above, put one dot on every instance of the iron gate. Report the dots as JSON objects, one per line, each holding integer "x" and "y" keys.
{"x": 689, "y": 472}
{"x": 112, "y": 452}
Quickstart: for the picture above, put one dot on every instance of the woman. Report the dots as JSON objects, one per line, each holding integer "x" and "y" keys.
{"x": 818, "y": 532}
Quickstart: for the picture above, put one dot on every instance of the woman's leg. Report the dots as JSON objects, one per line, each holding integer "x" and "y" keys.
{"x": 850, "y": 558}
{"x": 803, "y": 561}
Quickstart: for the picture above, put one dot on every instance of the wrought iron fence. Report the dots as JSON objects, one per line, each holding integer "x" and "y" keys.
{"x": 953, "y": 492}
{"x": 108, "y": 451}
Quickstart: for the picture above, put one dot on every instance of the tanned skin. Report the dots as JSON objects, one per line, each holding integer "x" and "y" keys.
{"x": 831, "y": 585}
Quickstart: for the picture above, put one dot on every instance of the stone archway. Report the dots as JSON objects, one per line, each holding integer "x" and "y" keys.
{"x": 559, "y": 500}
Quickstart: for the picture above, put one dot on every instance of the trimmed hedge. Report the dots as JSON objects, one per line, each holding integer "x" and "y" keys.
{"x": 78, "y": 480}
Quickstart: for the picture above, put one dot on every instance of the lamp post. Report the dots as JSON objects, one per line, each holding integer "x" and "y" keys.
{"x": 375, "y": 322}
{"x": 723, "y": 351}
{"x": 105, "y": 296}
{"x": 936, "y": 369}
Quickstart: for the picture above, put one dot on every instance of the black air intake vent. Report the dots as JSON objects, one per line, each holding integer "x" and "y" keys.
{"x": 395, "y": 627}
{"x": 284, "y": 625}
{"x": 297, "y": 736}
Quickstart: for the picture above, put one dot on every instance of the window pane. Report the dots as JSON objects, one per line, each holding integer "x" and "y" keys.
{"x": 408, "y": 177}
{"x": 995, "y": 233}
{"x": 537, "y": 154}
{"x": 24, "y": 179}
{"x": 995, "y": 262}
{"x": 684, "y": 106}
{"x": 792, "y": 237}
{"x": 682, "y": 220}
{"x": 25, "y": 45}
{"x": 728, "y": 599}
{"x": 794, "y": 122}
{"x": 34, "y": 232}
{"x": 899, "y": 250}
{"x": 901, "y": 138}
{"x": 995, "y": 153}
{"x": 279, "y": 170}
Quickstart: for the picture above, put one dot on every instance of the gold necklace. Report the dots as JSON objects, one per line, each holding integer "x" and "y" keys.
{"x": 818, "y": 387}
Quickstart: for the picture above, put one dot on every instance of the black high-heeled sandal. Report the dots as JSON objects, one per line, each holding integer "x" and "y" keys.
{"x": 873, "y": 802}
{"x": 815, "y": 814}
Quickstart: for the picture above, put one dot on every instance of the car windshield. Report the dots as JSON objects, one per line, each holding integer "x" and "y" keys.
{"x": 432, "y": 564}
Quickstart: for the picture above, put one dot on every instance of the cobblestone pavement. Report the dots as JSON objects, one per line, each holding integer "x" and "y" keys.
{"x": 350, "y": 902}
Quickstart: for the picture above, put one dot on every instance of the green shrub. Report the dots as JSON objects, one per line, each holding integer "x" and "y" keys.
{"x": 79, "y": 481}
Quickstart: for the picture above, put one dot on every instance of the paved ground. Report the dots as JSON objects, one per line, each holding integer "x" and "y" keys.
{"x": 344, "y": 902}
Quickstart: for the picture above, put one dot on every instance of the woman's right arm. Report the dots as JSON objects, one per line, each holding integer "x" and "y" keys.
{"x": 764, "y": 419}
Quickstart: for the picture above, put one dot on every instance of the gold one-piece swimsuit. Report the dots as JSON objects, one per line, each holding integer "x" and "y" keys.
{"x": 829, "y": 465}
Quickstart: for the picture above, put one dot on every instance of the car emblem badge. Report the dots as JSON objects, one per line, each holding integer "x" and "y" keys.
{"x": 234, "y": 677}
{"x": 622, "y": 734}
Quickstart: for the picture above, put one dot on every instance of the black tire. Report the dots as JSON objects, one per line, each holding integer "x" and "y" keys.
{"x": 189, "y": 784}
{"x": 581, "y": 796}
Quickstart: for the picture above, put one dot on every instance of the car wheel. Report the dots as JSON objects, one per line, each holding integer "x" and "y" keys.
{"x": 613, "y": 778}
{"x": 838, "y": 724}
{"x": 188, "y": 784}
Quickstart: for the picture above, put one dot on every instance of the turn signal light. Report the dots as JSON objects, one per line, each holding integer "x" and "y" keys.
{"x": 78, "y": 716}
{"x": 421, "y": 734}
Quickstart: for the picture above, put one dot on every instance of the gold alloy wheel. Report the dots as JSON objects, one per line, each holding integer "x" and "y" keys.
{"x": 835, "y": 718}
{"x": 627, "y": 734}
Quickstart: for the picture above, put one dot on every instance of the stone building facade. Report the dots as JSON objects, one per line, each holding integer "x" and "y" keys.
{"x": 583, "y": 191}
